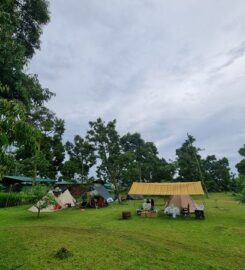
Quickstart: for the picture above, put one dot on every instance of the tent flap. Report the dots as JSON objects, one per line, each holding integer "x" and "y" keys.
{"x": 180, "y": 188}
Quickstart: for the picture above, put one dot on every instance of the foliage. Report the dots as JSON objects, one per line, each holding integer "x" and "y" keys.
{"x": 241, "y": 165}
{"x": 8, "y": 199}
{"x": 62, "y": 253}
{"x": 217, "y": 174}
{"x": 187, "y": 159}
{"x": 241, "y": 196}
{"x": 24, "y": 120}
{"x": 239, "y": 188}
{"x": 113, "y": 161}
{"x": 48, "y": 160}
{"x": 146, "y": 164}
{"x": 82, "y": 158}
{"x": 27, "y": 19}
{"x": 40, "y": 198}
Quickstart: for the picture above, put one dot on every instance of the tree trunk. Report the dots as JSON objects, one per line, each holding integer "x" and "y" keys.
{"x": 38, "y": 212}
{"x": 117, "y": 195}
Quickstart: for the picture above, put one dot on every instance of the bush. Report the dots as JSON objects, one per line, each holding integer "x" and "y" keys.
{"x": 240, "y": 189}
{"x": 13, "y": 199}
{"x": 62, "y": 253}
{"x": 241, "y": 196}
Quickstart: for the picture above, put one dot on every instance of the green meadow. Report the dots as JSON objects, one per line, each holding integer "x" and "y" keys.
{"x": 100, "y": 239}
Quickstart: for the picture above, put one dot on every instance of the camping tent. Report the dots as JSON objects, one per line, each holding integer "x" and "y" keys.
{"x": 180, "y": 192}
{"x": 182, "y": 201}
{"x": 103, "y": 192}
{"x": 63, "y": 199}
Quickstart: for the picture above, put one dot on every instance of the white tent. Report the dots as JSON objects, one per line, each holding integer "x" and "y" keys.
{"x": 66, "y": 198}
{"x": 63, "y": 200}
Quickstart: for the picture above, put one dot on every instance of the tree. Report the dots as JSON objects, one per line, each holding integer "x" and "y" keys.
{"x": 20, "y": 94}
{"x": 27, "y": 17}
{"x": 146, "y": 164}
{"x": 14, "y": 131}
{"x": 40, "y": 198}
{"x": 188, "y": 158}
{"x": 82, "y": 158}
{"x": 48, "y": 161}
{"x": 164, "y": 171}
{"x": 189, "y": 162}
{"x": 217, "y": 174}
{"x": 241, "y": 165}
{"x": 113, "y": 161}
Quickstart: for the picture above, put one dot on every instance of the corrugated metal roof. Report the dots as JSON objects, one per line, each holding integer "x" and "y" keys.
{"x": 29, "y": 179}
{"x": 183, "y": 188}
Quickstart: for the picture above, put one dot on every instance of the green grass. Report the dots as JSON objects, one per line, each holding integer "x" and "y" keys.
{"x": 98, "y": 239}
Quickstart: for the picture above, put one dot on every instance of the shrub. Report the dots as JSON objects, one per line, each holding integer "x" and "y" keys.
{"x": 62, "y": 253}
{"x": 12, "y": 199}
{"x": 40, "y": 198}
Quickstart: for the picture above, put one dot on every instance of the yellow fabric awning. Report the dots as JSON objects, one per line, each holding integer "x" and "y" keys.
{"x": 180, "y": 188}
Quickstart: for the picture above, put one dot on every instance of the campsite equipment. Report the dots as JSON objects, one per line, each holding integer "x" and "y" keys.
{"x": 184, "y": 202}
{"x": 199, "y": 214}
{"x": 62, "y": 201}
{"x": 126, "y": 214}
{"x": 103, "y": 192}
{"x": 183, "y": 188}
{"x": 179, "y": 192}
{"x": 149, "y": 214}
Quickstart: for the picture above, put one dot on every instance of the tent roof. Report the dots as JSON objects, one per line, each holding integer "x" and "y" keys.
{"x": 103, "y": 192}
{"x": 28, "y": 179}
{"x": 183, "y": 188}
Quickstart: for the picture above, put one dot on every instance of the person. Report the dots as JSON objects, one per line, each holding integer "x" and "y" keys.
{"x": 147, "y": 205}
{"x": 152, "y": 204}
{"x": 144, "y": 205}
{"x": 174, "y": 211}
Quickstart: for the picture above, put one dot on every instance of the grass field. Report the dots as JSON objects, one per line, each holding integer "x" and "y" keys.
{"x": 98, "y": 239}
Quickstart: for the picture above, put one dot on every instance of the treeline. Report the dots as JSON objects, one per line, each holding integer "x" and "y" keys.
{"x": 31, "y": 135}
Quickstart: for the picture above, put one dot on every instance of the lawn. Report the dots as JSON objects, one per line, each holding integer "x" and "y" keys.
{"x": 98, "y": 239}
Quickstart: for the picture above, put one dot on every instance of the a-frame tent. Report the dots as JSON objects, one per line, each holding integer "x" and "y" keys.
{"x": 63, "y": 199}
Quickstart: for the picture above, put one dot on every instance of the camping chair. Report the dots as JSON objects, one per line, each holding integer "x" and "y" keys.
{"x": 185, "y": 212}
{"x": 199, "y": 214}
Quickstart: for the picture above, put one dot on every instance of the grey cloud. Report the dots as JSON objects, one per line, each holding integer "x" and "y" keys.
{"x": 162, "y": 68}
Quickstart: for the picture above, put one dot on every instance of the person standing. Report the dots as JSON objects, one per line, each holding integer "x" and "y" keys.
{"x": 152, "y": 204}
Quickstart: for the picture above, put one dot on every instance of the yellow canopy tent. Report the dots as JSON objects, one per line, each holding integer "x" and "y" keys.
{"x": 183, "y": 188}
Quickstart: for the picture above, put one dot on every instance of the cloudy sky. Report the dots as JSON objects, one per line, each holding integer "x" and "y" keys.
{"x": 161, "y": 68}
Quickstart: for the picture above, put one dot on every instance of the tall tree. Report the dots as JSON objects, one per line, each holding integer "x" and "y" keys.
{"x": 241, "y": 165}
{"x": 189, "y": 162}
{"x": 51, "y": 150}
{"x": 188, "y": 159}
{"x": 146, "y": 164}
{"x": 21, "y": 23}
{"x": 217, "y": 174}
{"x": 113, "y": 161}
{"x": 82, "y": 158}
{"x": 163, "y": 170}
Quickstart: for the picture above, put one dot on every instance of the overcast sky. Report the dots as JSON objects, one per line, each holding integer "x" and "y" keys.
{"x": 161, "y": 68}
